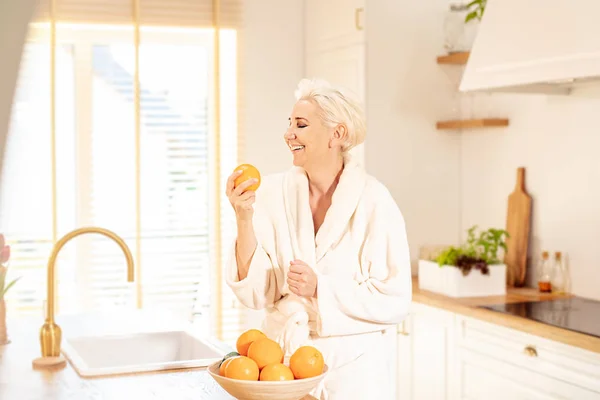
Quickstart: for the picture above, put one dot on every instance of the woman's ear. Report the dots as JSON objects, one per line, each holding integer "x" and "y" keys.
{"x": 340, "y": 136}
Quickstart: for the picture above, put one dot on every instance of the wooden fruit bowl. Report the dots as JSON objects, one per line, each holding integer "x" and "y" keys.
{"x": 266, "y": 390}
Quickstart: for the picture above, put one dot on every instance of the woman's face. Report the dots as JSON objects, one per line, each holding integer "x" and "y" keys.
{"x": 311, "y": 142}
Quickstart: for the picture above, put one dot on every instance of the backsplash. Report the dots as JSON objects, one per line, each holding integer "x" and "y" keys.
{"x": 556, "y": 140}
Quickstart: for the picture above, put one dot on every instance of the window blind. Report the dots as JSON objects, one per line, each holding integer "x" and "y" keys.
{"x": 181, "y": 252}
{"x": 178, "y": 13}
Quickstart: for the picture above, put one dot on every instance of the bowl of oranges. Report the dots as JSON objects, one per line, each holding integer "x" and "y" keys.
{"x": 258, "y": 370}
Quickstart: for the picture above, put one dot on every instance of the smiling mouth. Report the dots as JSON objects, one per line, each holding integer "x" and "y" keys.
{"x": 296, "y": 148}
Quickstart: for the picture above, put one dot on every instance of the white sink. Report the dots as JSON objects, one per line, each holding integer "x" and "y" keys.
{"x": 97, "y": 355}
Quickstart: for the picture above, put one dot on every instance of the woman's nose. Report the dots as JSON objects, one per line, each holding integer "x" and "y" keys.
{"x": 289, "y": 135}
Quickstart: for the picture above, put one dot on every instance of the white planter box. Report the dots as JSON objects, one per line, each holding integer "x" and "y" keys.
{"x": 449, "y": 280}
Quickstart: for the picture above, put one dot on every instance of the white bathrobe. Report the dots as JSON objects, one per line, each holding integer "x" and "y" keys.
{"x": 360, "y": 255}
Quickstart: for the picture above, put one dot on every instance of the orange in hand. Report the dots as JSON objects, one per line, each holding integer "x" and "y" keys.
{"x": 276, "y": 372}
{"x": 306, "y": 362}
{"x": 265, "y": 351}
{"x": 249, "y": 171}
{"x": 245, "y": 340}
{"x": 243, "y": 368}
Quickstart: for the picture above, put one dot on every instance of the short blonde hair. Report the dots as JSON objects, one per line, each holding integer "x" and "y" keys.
{"x": 337, "y": 106}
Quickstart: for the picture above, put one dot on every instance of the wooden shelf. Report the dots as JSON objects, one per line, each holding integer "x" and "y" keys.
{"x": 454, "y": 58}
{"x": 461, "y": 58}
{"x": 472, "y": 123}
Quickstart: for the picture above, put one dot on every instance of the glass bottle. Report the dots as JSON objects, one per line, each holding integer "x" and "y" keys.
{"x": 545, "y": 274}
{"x": 559, "y": 278}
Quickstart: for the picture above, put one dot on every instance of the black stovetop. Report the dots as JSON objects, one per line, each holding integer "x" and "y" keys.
{"x": 575, "y": 314}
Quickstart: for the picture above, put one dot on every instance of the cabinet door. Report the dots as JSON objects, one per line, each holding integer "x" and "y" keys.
{"x": 404, "y": 361}
{"x": 332, "y": 23}
{"x": 484, "y": 377}
{"x": 425, "y": 352}
{"x": 547, "y": 367}
{"x": 344, "y": 66}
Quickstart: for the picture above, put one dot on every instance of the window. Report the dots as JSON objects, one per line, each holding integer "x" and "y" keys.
{"x": 165, "y": 212}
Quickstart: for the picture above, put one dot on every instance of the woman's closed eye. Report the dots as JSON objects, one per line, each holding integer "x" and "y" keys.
{"x": 299, "y": 125}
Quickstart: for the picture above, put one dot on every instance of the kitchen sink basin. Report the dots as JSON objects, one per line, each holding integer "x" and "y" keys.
{"x": 100, "y": 354}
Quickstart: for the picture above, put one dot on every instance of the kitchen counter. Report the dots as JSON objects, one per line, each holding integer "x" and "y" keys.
{"x": 469, "y": 307}
{"x": 20, "y": 381}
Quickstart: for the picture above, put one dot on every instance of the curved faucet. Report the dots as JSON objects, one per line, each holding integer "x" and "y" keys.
{"x": 51, "y": 334}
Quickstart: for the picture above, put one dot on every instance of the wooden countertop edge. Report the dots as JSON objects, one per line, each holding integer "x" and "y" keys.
{"x": 468, "y": 307}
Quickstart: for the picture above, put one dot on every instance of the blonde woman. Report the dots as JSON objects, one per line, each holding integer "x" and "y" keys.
{"x": 322, "y": 248}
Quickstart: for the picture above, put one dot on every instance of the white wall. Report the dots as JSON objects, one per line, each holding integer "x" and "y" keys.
{"x": 444, "y": 181}
{"x": 557, "y": 140}
{"x": 447, "y": 181}
{"x": 407, "y": 92}
{"x": 14, "y": 20}
{"x": 273, "y": 63}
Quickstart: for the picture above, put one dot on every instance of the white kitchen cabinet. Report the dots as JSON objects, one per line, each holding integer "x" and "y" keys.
{"x": 443, "y": 355}
{"x": 425, "y": 352}
{"x": 334, "y": 47}
{"x": 488, "y": 378}
{"x": 333, "y": 23}
{"x": 493, "y": 361}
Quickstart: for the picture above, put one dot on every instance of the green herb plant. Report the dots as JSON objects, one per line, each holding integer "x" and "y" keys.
{"x": 476, "y": 7}
{"x": 478, "y": 252}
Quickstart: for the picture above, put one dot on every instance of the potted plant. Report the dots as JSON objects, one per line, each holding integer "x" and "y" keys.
{"x": 476, "y": 9}
{"x": 461, "y": 24}
{"x": 472, "y": 269}
{"x": 4, "y": 287}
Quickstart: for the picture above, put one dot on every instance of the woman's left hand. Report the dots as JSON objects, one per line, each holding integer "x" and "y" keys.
{"x": 302, "y": 280}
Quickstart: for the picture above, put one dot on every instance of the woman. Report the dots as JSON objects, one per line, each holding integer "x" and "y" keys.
{"x": 322, "y": 248}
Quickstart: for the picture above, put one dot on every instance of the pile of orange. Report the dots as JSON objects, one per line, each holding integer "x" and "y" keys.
{"x": 259, "y": 358}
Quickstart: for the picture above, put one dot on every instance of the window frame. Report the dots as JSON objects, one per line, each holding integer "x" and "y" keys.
{"x": 82, "y": 38}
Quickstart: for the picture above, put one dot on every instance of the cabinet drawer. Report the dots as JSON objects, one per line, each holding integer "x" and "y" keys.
{"x": 541, "y": 356}
{"x": 487, "y": 378}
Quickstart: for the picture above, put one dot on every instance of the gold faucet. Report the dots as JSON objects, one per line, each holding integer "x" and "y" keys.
{"x": 51, "y": 334}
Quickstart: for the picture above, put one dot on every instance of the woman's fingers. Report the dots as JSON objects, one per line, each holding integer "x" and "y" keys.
{"x": 293, "y": 285}
{"x": 301, "y": 279}
{"x": 243, "y": 186}
{"x": 231, "y": 182}
{"x": 298, "y": 267}
{"x": 296, "y": 276}
{"x": 247, "y": 196}
{"x": 247, "y": 204}
{"x": 240, "y": 198}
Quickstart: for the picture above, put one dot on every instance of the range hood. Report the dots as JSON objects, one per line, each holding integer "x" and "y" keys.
{"x": 536, "y": 46}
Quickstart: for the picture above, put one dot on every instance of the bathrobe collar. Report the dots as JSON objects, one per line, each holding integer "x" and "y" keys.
{"x": 346, "y": 196}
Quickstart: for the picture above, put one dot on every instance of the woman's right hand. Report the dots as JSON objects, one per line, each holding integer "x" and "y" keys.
{"x": 241, "y": 199}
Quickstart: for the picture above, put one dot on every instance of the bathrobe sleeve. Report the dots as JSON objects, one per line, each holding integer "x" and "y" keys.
{"x": 260, "y": 288}
{"x": 382, "y": 296}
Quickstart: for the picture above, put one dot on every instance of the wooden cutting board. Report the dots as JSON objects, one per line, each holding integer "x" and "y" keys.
{"x": 518, "y": 223}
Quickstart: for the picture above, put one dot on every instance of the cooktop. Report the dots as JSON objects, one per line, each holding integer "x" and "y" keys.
{"x": 575, "y": 314}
